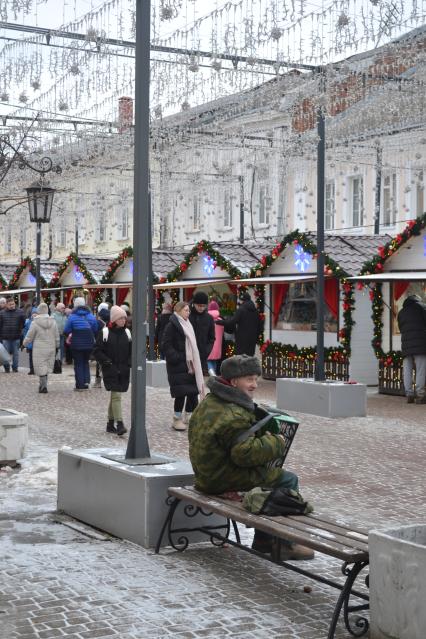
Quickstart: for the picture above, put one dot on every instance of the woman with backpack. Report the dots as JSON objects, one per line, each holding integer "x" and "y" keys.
{"x": 113, "y": 351}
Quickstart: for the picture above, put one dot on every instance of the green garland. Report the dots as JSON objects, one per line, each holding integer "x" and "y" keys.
{"x": 376, "y": 265}
{"x": 72, "y": 257}
{"x": 331, "y": 268}
{"x": 25, "y": 263}
{"x": 115, "y": 264}
{"x": 332, "y": 354}
{"x": 203, "y": 247}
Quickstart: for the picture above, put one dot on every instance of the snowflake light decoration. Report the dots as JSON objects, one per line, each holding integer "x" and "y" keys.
{"x": 31, "y": 279}
{"x": 78, "y": 274}
{"x": 424, "y": 245}
{"x": 209, "y": 264}
{"x": 303, "y": 259}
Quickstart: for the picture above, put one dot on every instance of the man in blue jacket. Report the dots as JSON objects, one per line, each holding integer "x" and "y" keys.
{"x": 83, "y": 326}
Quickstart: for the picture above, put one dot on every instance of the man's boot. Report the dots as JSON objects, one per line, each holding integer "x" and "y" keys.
{"x": 420, "y": 399}
{"x": 262, "y": 542}
{"x": 97, "y": 383}
{"x": 287, "y": 551}
{"x": 410, "y": 398}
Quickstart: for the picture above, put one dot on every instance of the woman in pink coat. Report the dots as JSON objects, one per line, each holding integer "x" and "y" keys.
{"x": 216, "y": 352}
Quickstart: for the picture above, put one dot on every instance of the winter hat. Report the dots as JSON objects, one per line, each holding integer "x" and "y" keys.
{"x": 125, "y": 308}
{"x": 246, "y": 297}
{"x": 42, "y": 309}
{"x": 103, "y": 305}
{"x": 116, "y": 313}
{"x": 200, "y": 298}
{"x": 79, "y": 301}
{"x": 240, "y": 366}
{"x": 59, "y": 306}
{"x": 213, "y": 306}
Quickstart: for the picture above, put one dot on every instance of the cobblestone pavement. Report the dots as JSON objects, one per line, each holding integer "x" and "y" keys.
{"x": 56, "y": 581}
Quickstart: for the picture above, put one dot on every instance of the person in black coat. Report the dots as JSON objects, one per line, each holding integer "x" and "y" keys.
{"x": 203, "y": 325}
{"x": 247, "y": 326}
{"x": 412, "y": 325}
{"x": 183, "y": 383}
{"x": 113, "y": 351}
{"x": 162, "y": 321}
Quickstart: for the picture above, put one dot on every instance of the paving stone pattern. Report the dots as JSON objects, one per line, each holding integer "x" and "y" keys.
{"x": 58, "y": 582}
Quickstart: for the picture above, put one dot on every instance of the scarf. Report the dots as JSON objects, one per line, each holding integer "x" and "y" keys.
{"x": 192, "y": 355}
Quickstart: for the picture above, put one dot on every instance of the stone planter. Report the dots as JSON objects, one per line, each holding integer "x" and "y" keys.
{"x": 398, "y": 582}
{"x": 156, "y": 374}
{"x": 328, "y": 399}
{"x": 13, "y": 436}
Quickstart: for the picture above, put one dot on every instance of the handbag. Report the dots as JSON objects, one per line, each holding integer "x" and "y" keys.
{"x": 57, "y": 367}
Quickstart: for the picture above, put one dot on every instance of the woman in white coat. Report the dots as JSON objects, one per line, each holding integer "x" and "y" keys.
{"x": 44, "y": 336}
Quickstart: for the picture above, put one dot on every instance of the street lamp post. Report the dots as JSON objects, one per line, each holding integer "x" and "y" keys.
{"x": 40, "y": 200}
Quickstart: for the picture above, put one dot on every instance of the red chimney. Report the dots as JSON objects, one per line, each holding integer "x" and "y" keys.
{"x": 125, "y": 113}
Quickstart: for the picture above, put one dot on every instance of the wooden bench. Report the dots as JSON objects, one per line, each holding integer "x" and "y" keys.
{"x": 314, "y": 531}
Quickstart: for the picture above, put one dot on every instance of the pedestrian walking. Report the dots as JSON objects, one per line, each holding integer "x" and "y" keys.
{"x": 44, "y": 337}
{"x": 60, "y": 318}
{"x": 184, "y": 370}
{"x": 12, "y": 322}
{"x": 203, "y": 325}
{"x": 216, "y": 352}
{"x": 113, "y": 351}
{"x": 246, "y": 325}
{"x": 162, "y": 321}
{"x": 103, "y": 320}
{"x": 412, "y": 325}
{"x": 83, "y": 326}
{"x": 29, "y": 346}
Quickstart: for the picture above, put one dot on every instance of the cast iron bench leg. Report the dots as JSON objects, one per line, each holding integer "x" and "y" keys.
{"x": 173, "y": 503}
{"x": 361, "y": 623}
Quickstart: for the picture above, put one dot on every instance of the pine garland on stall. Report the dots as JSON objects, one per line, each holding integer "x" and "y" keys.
{"x": 27, "y": 262}
{"x": 376, "y": 265}
{"x": 339, "y": 353}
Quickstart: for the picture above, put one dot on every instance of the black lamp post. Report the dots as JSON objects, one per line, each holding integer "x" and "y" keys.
{"x": 40, "y": 200}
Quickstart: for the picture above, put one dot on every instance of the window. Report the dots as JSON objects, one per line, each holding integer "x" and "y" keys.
{"x": 263, "y": 205}
{"x": 81, "y": 228}
{"x": 227, "y": 210}
{"x": 101, "y": 230}
{"x": 123, "y": 224}
{"x": 196, "y": 213}
{"x": 357, "y": 201}
{"x": 389, "y": 199}
{"x": 420, "y": 198}
{"x": 8, "y": 238}
{"x": 299, "y": 310}
{"x": 61, "y": 234}
{"x": 330, "y": 205}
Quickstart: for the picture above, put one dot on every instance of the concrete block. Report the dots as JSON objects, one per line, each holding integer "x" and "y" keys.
{"x": 156, "y": 374}
{"x": 126, "y": 501}
{"x": 13, "y": 435}
{"x": 398, "y": 582}
{"x": 328, "y": 399}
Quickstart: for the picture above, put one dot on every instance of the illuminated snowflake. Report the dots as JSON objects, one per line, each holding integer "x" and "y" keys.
{"x": 209, "y": 264}
{"x": 303, "y": 259}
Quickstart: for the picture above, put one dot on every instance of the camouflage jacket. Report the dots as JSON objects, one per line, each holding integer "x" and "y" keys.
{"x": 219, "y": 463}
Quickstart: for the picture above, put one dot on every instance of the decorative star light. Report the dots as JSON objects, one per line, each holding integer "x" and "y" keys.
{"x": 31, "y": 279}
{"x": 131, "y": 267}
{"x": 78, "y": 274}
{"x": 209, "y": 264}
{"x": 424, "y": 245}
{"x": 303, "y": 259}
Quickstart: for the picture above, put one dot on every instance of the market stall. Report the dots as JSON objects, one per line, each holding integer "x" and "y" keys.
{"x": 285, "y": 289}
{"x": 396, "y": 271}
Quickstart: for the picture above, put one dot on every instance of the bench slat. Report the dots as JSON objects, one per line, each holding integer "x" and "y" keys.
{"x": 283, "y": 530}
{"x": 352, "y": 536}
{"x": 349, "y": 527}
{"x": 312, "y": 529}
